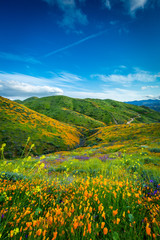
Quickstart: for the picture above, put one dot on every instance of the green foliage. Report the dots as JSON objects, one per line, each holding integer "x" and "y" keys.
{"x": 2, "y": 199}
{"x": 155, "y": 150}
{"x": 12, "y": 176}
{"x": 51, "y": 170}
{"x": 79, "y": 172}
{"x": 115, "y": 236}
{"x": 61, "y": 169}
{"x": 38, "y": 211}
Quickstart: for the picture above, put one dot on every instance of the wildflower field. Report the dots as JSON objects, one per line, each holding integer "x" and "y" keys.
{"x": 106, "y": 186}
{"x": 81, "y": 194}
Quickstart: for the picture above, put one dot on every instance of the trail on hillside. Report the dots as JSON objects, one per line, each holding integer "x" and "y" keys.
{"x": 132, "y": 119}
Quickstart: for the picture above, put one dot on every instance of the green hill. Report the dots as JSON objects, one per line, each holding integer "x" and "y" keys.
{"x": 17, "y": 123}
{"x": 90, "y": 113}
{"x": 35, "y": 118}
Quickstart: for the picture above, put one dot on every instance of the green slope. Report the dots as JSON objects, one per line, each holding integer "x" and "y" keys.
{"x": 100, "y": 112}
{"x": 132, "y": 136}
{"x": 17, "y": 123}
{"x": 68, "y": 110}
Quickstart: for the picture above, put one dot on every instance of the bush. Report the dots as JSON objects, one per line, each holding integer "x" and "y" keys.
{"x": 12, "y": 176}
{"x": 79, "y": 171}
{"x": 148, "y": 160}
{"x": 61, "y": 169}
{"x": 51, "y": 170}
{"x": 155, "y": 150}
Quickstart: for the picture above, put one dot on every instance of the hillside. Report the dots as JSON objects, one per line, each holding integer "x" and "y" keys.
{"x": 90, "y": 113}
{"x": 17, "y": 123}
{"x": 132, "y": 137}
{"x": 151, "y": 103}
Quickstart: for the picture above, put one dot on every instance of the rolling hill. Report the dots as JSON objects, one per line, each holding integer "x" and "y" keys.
{"x": 61, "y": 123}
{"x": 90, "y": 113}
{"x": 17, "y": 123}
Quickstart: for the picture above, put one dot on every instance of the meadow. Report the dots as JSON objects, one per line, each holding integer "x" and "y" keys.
{"x": 88, "y": 193}
{"x": 99, "y": 177}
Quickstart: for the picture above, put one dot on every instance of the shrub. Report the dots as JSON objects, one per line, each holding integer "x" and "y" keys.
{"x": 51, "y": 170}
{"x": 79, "y": 171}
{"x": 148, "y": 160}
{"x": 61, "y": 169}
{"x": 12, "y": 176}
{"x": 155, "y": 150}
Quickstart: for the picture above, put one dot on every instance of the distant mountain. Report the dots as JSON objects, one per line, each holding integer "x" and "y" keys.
{"x": 153, "y": 104}
{"x": 17, "y": 123}
{"x": 90, "y": 113}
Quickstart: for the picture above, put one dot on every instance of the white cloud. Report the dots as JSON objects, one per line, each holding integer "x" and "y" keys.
{"x": 16, "y": 85}
{"x": 68, "y": 77}
{"x": 72, "y": 17}
{"x": 22, "y": 86}
{"x": 122, "y": 67}
{"x": 14, "y": 57}
{"x": 71, "y": 13}
{"x": 153, "y": 97}
{"x": 147, "y": 87}
{"x": 140, "y": 76}
{"x": 115, "y": 94}
{"x": 22, "y": 78}
{"x": 136, "y": 4}
{"x": 131, "y": 5}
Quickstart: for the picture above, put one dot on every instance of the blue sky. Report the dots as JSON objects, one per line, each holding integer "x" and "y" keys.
{"x": 107, "y": 49}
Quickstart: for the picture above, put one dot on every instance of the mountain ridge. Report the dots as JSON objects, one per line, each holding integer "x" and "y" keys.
{"x": 151, "y": 103}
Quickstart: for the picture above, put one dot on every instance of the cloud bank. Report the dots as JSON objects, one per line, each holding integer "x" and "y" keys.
{"x": 139, "y": 76}
{"x": 22, "y": 86}
{"x": 117, "y": 94}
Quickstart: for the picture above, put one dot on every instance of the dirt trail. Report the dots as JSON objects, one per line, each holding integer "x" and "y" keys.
{"x": 132, "y": 119}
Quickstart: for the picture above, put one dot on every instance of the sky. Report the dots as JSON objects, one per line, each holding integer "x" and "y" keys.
{"x": 106, "y": 49}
